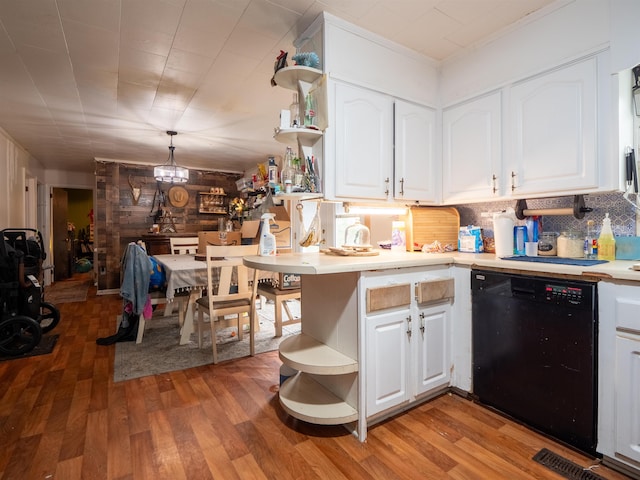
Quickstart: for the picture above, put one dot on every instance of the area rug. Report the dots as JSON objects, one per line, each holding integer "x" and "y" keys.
{"x": 46, "y": 345}
{"x": 160, "y": 351}
{"x": 67, "y": 291}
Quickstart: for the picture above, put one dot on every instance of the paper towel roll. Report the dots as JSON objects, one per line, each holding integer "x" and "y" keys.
{"x": 503, "y": 224}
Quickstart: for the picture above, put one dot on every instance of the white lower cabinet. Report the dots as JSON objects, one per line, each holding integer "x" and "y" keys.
{"x": 619, "y": 375}
{"x": 388, "y": 362}
{"x": 407, "y": 338}
{"x": 433, "y": 357}
{"x": 628, "y": 395}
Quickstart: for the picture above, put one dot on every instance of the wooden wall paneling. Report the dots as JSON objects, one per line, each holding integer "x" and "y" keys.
{"x": 120, "y": 220}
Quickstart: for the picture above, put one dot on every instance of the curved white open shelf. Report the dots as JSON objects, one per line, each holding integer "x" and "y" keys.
{"x": 289, "y": 77}
{"x": 306, "y": 354}
{"x": 305, "y": 399}
{"x": 307, "y": 137}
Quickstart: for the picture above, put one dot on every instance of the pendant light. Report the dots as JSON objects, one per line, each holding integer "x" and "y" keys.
{"x": 170, "y": 172}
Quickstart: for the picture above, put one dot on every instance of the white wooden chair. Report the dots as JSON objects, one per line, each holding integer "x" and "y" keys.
{"x": 280, "y": 299}
{"x": 183, "y": 245}
{"x": 226, "y": 306}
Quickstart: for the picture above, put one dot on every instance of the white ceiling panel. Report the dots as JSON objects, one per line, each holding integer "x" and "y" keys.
{"x": 91, "y": 47}
{"x": 104, "y": 14}
{"x": 35, "y": 23}
{"x": 83, "y": 79}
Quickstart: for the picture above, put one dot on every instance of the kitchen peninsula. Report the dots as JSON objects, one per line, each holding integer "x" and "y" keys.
{"x": 344, "y": 316}
{"x": 371, "y": 377}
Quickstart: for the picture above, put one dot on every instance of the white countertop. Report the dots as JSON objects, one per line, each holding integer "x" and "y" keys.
{"x": 320, "y": 263}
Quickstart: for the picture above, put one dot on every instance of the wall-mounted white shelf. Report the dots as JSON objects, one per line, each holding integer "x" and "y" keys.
{"x": 289, "y": 77}
{"x": 298, "y": 196}
{"x": 305, "y": 137}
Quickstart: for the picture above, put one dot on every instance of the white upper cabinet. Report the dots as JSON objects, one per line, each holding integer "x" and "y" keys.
{"x": 363, "y": 143}
{"x": 545, "y": 144}
{"x": 416, "y": 168}
{"x": 366, "y": 165}
{"x": 551, "y": 132}
{"x": 472, "y": 150}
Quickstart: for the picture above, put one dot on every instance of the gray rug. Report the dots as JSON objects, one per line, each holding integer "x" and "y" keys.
{"x": 160, "y": 352}
{"x": 67, "y": 291}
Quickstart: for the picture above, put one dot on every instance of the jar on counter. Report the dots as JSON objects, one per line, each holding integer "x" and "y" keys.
{"x": 571, "y": 244}
{"x": 547, "y": 244}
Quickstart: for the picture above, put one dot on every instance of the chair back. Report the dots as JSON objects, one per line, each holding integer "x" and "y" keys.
{"x": 225, "y": 270}
{"x": 183, "y": 245}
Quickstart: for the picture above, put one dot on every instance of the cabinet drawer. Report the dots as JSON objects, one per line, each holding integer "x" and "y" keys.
{"x": 628, "y": 314}
{"x": 436, "y": 290}
{"x": 389, "y": 296}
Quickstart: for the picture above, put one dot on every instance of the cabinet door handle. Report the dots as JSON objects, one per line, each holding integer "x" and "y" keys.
{"x": 494, "y": 183}
{"x": 409, "y": 326}
{"x": 402, "y": 187}
{"x": 422, "y": 322}
{"x": 513, "y": 181}
{"x": 386, "y": 186}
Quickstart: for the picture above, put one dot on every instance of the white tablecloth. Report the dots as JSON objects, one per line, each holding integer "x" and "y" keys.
{"x": 183, "y": 272}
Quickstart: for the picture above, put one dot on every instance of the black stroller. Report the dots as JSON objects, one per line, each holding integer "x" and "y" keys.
{"x": 24, "y": 315}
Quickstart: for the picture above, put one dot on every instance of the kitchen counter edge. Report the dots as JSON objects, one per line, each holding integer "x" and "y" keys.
{"x": 320, "y": 263}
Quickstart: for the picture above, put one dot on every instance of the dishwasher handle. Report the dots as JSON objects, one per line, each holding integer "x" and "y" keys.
{"x": 523, "y": 291}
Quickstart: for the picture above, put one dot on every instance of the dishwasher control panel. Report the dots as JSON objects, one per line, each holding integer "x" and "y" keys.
{"x": 561, "y": 294}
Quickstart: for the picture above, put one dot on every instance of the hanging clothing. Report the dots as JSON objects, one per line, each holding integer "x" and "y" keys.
{"x": 136, "y": 267}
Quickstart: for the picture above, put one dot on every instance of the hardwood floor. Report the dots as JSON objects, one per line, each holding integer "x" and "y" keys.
{"x": 62, "y": 417}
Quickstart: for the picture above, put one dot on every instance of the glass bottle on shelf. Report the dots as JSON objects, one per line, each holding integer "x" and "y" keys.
{"x": 272, "y": 172}
{"x": 298, "y": 182}
{"x": 294, "y": 110}
{"x": 309, "y": 111}
{"x": 288, "y": 173}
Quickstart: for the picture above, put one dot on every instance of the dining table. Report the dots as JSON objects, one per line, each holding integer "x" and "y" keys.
{"x": 184, "y": 274}
{"x": 187, "y": 273}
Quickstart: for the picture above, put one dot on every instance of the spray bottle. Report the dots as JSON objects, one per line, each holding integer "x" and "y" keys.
{"x": 606, "y": 241}
{"x": 267, "y": 239}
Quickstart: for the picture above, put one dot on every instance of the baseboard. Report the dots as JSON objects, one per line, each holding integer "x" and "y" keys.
{"x": 112, "y": 291}
{"x": 621, "y": 467}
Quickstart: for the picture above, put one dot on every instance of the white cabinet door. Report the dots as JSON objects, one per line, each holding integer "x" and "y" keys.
{"x": 363, "y": 143}
{"x": 387, "y": 352}
{"x": 432, "y": 348}
{"x": 472, "y": 150}
{"x": 417, "y": 173}
{"x": 628, "y": 397}
{"x": 552, "y": 132}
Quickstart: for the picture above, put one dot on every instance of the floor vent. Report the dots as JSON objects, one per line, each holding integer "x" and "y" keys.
{"x": 564, "y": 467}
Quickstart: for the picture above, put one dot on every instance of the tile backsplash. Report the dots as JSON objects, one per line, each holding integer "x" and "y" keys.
{"x": 621, "y": 212}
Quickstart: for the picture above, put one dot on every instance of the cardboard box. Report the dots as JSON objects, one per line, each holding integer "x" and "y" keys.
{"x": 250, "y": 228}
{"x": 213, "y": 238}
{"x": 281, "y": 228}
{"x": 282, "y": 231}
{"x": 289, "y": 281}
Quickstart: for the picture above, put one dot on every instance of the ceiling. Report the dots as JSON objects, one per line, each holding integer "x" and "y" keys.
{"x": 105, "y": 79}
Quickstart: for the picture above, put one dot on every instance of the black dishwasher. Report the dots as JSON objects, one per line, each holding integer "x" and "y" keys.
{"x": 535, "y": 352}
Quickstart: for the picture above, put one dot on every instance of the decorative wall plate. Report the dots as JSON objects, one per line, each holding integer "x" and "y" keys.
{"x": 178, "y": 196}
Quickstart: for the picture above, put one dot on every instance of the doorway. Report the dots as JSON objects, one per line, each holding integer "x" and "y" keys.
{"x": 72, "y": 231}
